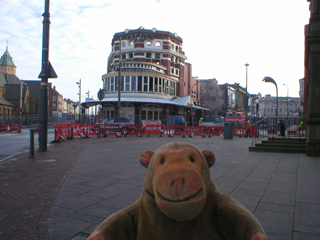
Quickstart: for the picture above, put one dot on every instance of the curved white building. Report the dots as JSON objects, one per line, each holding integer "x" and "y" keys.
{"x": 155, "y": 78}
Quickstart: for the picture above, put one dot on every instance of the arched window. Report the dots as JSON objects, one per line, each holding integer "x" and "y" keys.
{"x": 151, "y": 112}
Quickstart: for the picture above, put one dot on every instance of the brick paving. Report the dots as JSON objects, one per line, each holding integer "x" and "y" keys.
{"x": 66, "y": 192}
{"x": 28, "y": 187}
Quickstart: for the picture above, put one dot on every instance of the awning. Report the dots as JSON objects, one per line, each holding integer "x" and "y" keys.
{"x": 181, "y": 102}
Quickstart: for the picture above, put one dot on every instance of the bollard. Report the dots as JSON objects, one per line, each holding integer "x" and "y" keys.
{"x": 99, "y": 131}
{"x": 31, "y": 143}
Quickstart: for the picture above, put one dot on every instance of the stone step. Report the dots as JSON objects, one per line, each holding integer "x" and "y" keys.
{"x": 282, "y": 139}
{"x": 282, "y": 145}
{"x": 277, "y": 149}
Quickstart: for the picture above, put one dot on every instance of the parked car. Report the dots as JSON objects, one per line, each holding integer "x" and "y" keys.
{"x": 119, "y": 121}
{"x": 174, "y": 120}
{"x": 213, "y": 121}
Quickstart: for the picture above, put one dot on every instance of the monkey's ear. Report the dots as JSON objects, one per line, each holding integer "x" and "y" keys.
{"x": 209, "y": 156}
{"x": 145, "y": 158}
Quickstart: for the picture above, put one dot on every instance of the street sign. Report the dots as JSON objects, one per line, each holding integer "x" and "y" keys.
{"x": 19, "y": 110}
{"x": 233, "y": 110}
{"x": 101, "y": 94}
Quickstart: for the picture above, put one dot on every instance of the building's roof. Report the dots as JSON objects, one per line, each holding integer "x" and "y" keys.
{"x": 8, "y": 79}
{"x": 6, "y": 59}
{"x": 13, "y": 91}
{"x": 3, "y": 80}
{"x": 182, "y": 102}
{"x": 269, "y": 98}
{"x": 5, "y": 102}
{"x": 34, "y": 87}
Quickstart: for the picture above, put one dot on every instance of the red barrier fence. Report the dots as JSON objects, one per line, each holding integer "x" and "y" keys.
{"x": 9, "y": 127}
{"x": 68, "y": 131}
{"x": 76, "y": 130}
{"x": 155, "y": 129}
{"x": 3, "y": 126}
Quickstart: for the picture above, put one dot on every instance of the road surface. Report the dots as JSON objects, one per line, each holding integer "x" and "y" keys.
{"x": 14, "y": 143}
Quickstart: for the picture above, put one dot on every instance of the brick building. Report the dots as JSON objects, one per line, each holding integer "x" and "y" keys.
{"x": 155, "y": 79}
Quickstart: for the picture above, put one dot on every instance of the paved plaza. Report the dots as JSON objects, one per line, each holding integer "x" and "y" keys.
{"x": 66, "y": 192}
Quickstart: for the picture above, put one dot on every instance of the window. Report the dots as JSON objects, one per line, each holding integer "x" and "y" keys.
{"x": 151, "y": 84}
{"x": 127, "y": 84}
{"x": 54, "y": 106}
{"x": 130, "y": 55}
{"x": 139, "y": 83}
{"x": 133, "y": 83}
{"x": 148, "y": 43}
{"x": 54, "y": 98}
{"x": 160, "y": 85}
{"x": 156, "y": 85}
{"x": 123, "y": 56}
{"x": 158, "y": 44}
{"x": 112, "y": 84}
{"x": 145, "y": 84}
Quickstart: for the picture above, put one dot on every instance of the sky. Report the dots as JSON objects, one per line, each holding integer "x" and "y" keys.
{"x": 219, "y": 38}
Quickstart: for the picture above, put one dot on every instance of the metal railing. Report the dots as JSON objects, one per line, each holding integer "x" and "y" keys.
{"x": 270, "y": 127}
{"x": 27, "y": 120}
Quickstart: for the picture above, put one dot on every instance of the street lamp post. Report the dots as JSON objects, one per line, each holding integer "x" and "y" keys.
{"x": 79, "y": 85}
{"x": 192, "y": 100}
{"x": 287, "y": 98}
{"x": 246, "y": 100}
{"x": 119, "y": 78}
{"x": 269, "y": 79}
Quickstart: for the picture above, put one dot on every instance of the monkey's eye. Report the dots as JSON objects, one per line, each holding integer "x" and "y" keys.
{"x": 192, "y": 159}
{"x": 162, "y": 160}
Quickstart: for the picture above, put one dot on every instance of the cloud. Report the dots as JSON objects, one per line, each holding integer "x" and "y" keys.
{"x": 219, "y": 38}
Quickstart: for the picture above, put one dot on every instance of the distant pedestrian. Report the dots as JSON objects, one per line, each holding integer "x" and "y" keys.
{"x": 248, "y": 128}
{"x": 300, "y": 127}
{"x": 282, "y": 129}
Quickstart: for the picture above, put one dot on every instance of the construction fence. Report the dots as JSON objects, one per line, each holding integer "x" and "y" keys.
{"x": 70, "y": 131}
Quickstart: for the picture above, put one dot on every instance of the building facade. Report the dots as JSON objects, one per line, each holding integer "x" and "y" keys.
{"x": 213, "y": 97}
{"x": 312, "y": 65}
{"x": 155, "y": 79}
{"x": 288, "y": 106}
{"x": 55, "y": 101}
{"x": 13, "y": 92}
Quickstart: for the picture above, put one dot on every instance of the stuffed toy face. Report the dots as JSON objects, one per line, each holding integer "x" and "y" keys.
{"x": 178, "y": 177}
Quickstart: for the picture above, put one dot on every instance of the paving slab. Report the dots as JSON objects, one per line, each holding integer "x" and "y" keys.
{"x": 91, "y": 179}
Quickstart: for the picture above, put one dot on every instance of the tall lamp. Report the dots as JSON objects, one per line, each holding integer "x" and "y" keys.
{"x": 269, "y": 79}
{"x": 79, "y": 85}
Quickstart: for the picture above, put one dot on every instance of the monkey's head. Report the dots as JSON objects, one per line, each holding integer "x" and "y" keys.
{"x": 178, "y": 177}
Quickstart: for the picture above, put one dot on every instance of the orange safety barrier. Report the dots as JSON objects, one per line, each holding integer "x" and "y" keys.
{"x": 15, "y": 127}
{"x": 155, "y": 129}
{"x": 9, "y": 127}
{"x": 76, "y": 129}
{"x": 292, "y": 132}
{"x": 61, "y": 131}
{"x": 196, "y": 131}
{"x": 113, "y": 129}
{"x": 174, "y": 130}
{"x": 215, "y": 131}
{"x": 3, "y": 127}
{"x": 133, "y": 130}
{"x": 91, "y": 129}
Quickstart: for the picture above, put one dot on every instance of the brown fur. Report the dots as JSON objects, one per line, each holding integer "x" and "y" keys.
{"x": 179, "y": 201}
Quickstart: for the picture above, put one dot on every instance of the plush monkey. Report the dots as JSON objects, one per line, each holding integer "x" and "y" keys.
{"x": 179, "y": 201}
